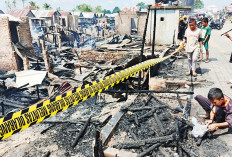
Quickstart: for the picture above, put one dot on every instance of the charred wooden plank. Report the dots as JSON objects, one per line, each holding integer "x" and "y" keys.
{"x": 106, "y": 121}
{"x": 180, "y": 102}
{"x": 145, "y": 108}
{"x": 188, "y": 151}
{"x": 47, "y": 154}
{"x": 160, "y": 125}
{"x": 184, "y": 121}
{"x": 98, "y": 150}
{"x": 187, "y": 109}
{"x": 136, "y": 119}
{"x": 148, "y": 114}
{"x": 107, "y": 130}
{"x": 147, "y": 151}
{"x": 131, "y": 133}
{"x": 48, "y": 128}
{"x": 139, "y": 143}
{"x": 82, "y": 132}
{"x": 12, "y": 103}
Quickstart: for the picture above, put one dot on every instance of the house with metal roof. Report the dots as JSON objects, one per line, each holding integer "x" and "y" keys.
{"x": 51, "y": 17}
{"x": 21, "y": 13}
{"x": 64, "y": 18}
{"x": 100, "y": 15}
{"x": 87, "y": 18}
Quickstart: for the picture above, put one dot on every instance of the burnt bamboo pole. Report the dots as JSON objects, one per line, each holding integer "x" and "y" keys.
{"x": 143, "y": 43}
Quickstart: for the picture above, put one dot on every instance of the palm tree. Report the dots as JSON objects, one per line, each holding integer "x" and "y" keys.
{"x": 32, "y": 3}
{"x": 36, "y": 7}
{"x": 47, "y": 6}
{"x": 14, "y": 3}
{"x": 24, "y": 2}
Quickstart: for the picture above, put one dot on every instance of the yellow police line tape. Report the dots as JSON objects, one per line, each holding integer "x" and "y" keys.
{"x": 18, "y": 121}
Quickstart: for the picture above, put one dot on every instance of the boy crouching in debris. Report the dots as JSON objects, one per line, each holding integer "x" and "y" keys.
{"x": 217, "y": 107}
{"x": 192, "y": 38}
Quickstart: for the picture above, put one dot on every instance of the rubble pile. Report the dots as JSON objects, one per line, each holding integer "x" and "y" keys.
{"x": 117, "y": 122}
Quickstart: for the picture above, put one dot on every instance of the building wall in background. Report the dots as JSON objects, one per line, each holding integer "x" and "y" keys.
{"x": 123, "y": 22}
{"x": 167, "y": 22}
{"x": 24, "y": 34}
{"x": 8, "y": 59}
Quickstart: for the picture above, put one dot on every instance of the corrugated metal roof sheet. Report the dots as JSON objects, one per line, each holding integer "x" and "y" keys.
{"x": 19, "y": 13}
{"x": 11, "y": 18}
{"x": 76, "y": 13}
{"x": 131, "y": 9}
{"x": 111, "y": 15}
{"x": 63, "y": 13}
{"x": 88, "y": 14}
{"x": 30, "y": 7}
{"x": 45, "y": 13}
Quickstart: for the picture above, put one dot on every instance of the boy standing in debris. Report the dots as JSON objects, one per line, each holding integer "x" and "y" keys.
{"x": 206, "y": 32}
{"x": 192, "y": 39}
{"x": 217, "y": 107}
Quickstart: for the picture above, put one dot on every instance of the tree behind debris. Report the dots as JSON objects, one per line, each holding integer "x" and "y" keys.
{"x": 23, "y": 1}
{"x": 116, "y": 9}
{"x": 47, "y": 6}
{"x": 198, "y": 4}
{"x": 10, "y": 4}
{"x": 141, "y": 5}
{"x": 106, "y": 11}
{"x": 84, "y": 8}
{"x": 33, "y": 4}
{"x": 58, "y": 9}
{"x": 98, "y": 9}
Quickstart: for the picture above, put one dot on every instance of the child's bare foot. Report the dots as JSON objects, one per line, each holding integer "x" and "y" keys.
{"x": 188, "y": 73}
{"x": 194, "y": 73}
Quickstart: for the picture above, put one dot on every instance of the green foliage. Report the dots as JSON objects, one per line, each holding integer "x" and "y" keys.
{"x": 14, "y": 3}
{"x": 73, "y": 10}
{"x": 37, "y": 7}
{"x": 106, "y": 11}
{"x": 116, "y": 9}
{"x": 58, "y": 9}
{"x": 47, "y": 6}
{"x": 141, "y": 5}
{"x": 198, "y": 4}
{"x": 84, "y": 8}
{"x": 98, "y": 9}
{"x": 33, "y": 4}
{"x": 23, "y": 1}
{"x": 10, "y": 4}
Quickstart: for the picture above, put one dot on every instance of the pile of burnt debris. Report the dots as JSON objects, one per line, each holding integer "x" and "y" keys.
{"x": 145, "y": 125}
{"x": 56, "y": 68}
{"x": 156, "y": 128}
{"x": 118, "y": 122}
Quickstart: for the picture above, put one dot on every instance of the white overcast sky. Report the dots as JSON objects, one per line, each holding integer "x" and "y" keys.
{"x": 68, "y": 5}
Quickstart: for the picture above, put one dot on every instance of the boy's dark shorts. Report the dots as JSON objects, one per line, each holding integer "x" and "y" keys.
{"x": 207, "y": 106}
